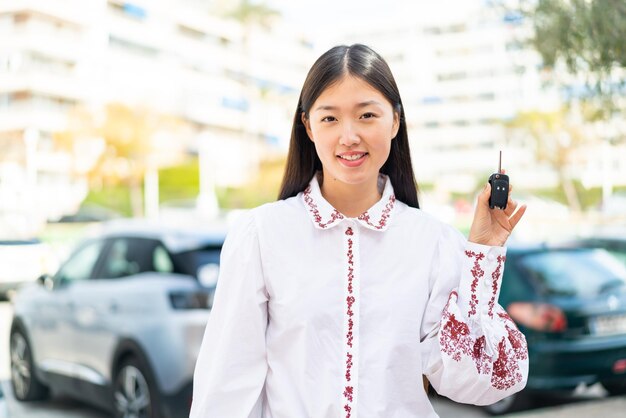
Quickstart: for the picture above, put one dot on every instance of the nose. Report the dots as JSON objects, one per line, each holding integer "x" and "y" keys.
{"x": 349, "y": 135}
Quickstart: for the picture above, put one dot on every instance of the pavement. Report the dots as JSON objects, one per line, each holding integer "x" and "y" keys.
{"x": 601, "y": 408}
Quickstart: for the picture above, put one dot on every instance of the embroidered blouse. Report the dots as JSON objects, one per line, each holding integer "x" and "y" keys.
{"x": 320, "y": 315}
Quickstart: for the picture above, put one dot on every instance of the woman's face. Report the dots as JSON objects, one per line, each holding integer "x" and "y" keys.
{"x": 352, "y": 125}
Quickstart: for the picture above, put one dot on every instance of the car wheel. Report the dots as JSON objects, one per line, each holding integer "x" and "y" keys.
{"x": 26, "y": 386}
{"x": 516, "y": 402}
{"x": 615, "y": 388}
{"x": 134, "y": 393}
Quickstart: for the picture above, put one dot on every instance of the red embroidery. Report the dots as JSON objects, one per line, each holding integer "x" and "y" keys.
{"x": 316, "y": 213}
{"x": 348, "y": 366}
{"x": 350, "y": 300}
{"x": 348, "y": 392}
{"x": 455, "y": 335}
{"x": 495, "y": 278}
{"x": 518, "y": 342}
{"x": 456, "y": 342}
{"x": 365, "y": 216}
{"x": 505, "y": 369}
{"x": 506, "y": 317}
{"x": 481, "y": 359}
{"x": 477, "y": 274}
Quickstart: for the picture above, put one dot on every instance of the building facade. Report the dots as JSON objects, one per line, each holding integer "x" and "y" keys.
{"x": 231, "y": 85}
{"x": 466, "y": 72}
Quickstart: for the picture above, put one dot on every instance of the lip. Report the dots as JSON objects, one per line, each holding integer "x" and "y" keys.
{"x": 352, "y": 163}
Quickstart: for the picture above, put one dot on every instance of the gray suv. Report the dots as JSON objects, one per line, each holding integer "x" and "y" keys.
{"x": 121, "y": 322}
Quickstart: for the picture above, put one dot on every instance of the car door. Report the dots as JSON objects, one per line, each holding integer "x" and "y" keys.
{"x": 52, "y": 326}
{"x": 107, "y": 306}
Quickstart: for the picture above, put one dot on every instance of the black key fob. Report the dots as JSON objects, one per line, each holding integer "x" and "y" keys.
{"x": 499, "y": 190}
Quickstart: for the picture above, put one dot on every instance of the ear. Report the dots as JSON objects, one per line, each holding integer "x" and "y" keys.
{"x": 307, "y": 125}
{"x": 396, "y": 125}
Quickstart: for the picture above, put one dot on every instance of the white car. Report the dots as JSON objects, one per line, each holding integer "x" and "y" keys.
{"x": 120, "y": 323}
{"x": 4, "y": 410}
{"x": 22, "y": 262}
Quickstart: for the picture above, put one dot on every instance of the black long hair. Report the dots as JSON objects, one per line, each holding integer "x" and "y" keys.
{"x": 359, "y": 61}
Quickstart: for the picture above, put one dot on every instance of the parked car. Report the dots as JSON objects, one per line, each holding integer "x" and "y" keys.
{"x": 4, "y": 410}
{"x": 121, "y": 323}
{"x": 570, "y": 303}
{"x": 616, "y": 245}
{"x": 21, "y": 262}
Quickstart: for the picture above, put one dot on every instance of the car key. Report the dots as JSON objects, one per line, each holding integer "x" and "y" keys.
{"x": 499, "y": 188}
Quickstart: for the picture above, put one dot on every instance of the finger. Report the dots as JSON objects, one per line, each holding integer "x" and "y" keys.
{"x": 503, "y": 171}
{"x": 510, "y": 188}
{"x": 517, "y": 216}
{"x": 511, "y": 205}
{"x": 501, "y": 218}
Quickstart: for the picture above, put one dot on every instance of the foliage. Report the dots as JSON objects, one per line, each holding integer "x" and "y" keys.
{"x": 129, "y": 149}
{"x": 589, "y": 198}
{"x": 114, "y": 197}
{"x": 554, "y": 137}
{"x": 179, "y": 182}
{"x": 182, "y": 183}
{"x": 251, "y": 13}
{"x": 588, "y": 37}
{"x": 264, "y": 188}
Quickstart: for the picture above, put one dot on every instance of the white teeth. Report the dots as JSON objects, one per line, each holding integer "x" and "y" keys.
{"x": 351, "y": 157}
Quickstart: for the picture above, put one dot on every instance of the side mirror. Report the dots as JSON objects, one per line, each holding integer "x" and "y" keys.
{"x": 207, "y": 275}
{"x": 46, "y": 281}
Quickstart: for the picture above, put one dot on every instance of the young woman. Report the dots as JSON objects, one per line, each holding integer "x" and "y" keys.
{"x": 336, "y": 299}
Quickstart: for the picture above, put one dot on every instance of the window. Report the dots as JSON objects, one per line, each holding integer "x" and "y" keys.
{"x": 119, "y": 261}
{"x": 190, "y": 32}
{"x": 161, "y": 260}
{"x": 574, "y": 273}
{"x": 81, "y": 263}
{"x": 452, "y": 76}
{"x": 129, "y": 10}
{"x": 130, "y": 256}
{"x": 132, "y": 47}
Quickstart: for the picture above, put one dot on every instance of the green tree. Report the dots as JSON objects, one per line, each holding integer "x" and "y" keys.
{"x": 128, "y": 151}
{"x": 251, "y": 13}
{"x": 588, "y": 36}
{"x": 554, "y": 137}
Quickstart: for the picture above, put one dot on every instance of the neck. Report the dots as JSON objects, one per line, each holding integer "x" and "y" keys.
{"x": 350, "y": 199}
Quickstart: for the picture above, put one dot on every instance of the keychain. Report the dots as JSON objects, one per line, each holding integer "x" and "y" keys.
{"x": 499, "y": 188}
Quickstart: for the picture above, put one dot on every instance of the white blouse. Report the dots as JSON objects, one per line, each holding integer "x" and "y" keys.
{"x": 320, "y": 315}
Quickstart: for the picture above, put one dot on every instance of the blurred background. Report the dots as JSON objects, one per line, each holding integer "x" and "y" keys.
{"x": 158, "y": 108}
{"x": 179, "y": 112}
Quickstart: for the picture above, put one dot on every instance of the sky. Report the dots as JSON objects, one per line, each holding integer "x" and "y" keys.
{"x": 319, "y": 18}
{"x": 316, "y": 17}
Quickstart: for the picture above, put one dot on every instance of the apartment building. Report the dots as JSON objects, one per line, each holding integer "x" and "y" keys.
{"x": 232, "y": 86}
{"x": 464, "y": 72}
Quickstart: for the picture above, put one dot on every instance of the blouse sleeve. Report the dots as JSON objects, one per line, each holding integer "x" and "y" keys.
{"x": 231, "y": 367}
{"x": 472, "y": 352}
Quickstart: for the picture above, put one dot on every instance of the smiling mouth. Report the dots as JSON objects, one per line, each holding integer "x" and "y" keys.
{"x": 352, "y": 157}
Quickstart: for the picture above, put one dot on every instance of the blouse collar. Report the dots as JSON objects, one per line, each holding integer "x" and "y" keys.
{"x": 325, "y": 216}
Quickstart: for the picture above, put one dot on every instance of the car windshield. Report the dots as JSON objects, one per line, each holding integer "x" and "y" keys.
{"x": 585, "y": 273}
{"x": 190, "y": 261}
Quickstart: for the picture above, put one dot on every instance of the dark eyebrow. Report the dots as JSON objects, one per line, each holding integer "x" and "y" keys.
{"x": 360, "y": 105}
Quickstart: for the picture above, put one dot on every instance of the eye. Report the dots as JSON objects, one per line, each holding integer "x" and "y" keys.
{"x": 368, "y": 115}
{"x": 328, "y": 119}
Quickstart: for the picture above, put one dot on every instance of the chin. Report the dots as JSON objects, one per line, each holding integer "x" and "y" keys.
{"x": 354, "y": 178}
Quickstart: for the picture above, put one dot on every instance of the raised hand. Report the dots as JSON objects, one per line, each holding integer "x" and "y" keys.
{"x": 493, "y": 226}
